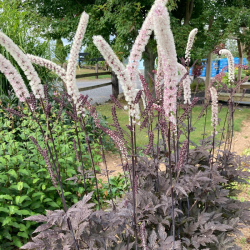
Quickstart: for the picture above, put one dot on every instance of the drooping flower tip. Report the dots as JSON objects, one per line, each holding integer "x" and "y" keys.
{"x": 230, "y": 59}
{"x": 190, "y": 43}
{"x": 49, "y": 65}
{"x": 24, "y": 63}
{"x": 14, "y": 78}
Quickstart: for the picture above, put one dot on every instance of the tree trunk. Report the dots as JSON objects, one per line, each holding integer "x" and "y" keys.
{"x": 149, "y": 65}
{"x": 189, "y": 11}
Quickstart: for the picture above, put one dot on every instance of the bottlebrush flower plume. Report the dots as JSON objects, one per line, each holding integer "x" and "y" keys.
{"x": 24, "y": 63}
{"x": 76, "y": 46}
{"x": 190, "y": 43}
{"x": 165, "y": 40}
{"x": 159, "y": 77}
{"x": 186, "y": 84}
{"x": 214, "y": 97}
{"x": 49, "y": 65}
{"x": 139, "y": 46}
{"x": 230, "y": 59}
{"x": 141, "y": 42}
{"x": 14, "y": 78}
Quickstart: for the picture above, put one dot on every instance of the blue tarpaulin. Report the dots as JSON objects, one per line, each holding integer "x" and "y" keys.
{"x": 218, "y": 65}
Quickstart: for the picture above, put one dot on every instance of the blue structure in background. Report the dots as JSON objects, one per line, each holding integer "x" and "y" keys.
{"x": 217, "y": 66}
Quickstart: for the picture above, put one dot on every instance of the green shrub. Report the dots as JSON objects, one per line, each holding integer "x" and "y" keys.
{"x": 24, "y": 179}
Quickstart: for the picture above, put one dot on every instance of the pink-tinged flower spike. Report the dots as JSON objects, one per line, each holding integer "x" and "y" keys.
{"x": 24, "y": 63}
{"x": 230, "y": 59}
{"x": 139, "y": 46}
{"x": 186, "y": 84}
{"x": 49, "y": 65}
{"x": 165, "y": 40}
{"x": 190, "y": 44}
{"x": 14, "y": 78}
{"x": 76, "y": 46}
{"x": 214, "y": 97}
{"x": 141, "y": 42}
{"x": 159, "y": 77}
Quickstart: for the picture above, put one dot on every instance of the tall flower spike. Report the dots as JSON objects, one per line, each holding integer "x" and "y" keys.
{"x": 186, "y": 84}
{"x": 230, "y": 59}
{"x": 127, "y": 77}
{"x": 14, "y": 78}
{"x": 165, "y": 40}
{"x": 141, "y": 41}
{"x": 76, "y": 46}
{"x": 214, "y": 97}
{"x": 24, "y": 63}
{"x": 159, "y": 77}
{"x": 49, "y": 65}
{"x": 190, "y": 44}
{"x": 139, "y": 46}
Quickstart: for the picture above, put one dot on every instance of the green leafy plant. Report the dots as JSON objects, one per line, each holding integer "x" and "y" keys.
{"x": 25, "y": 182}
{"x": 16, "y": 24}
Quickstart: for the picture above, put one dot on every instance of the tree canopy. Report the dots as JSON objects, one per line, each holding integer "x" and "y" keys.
{"x": 119, "y": 21}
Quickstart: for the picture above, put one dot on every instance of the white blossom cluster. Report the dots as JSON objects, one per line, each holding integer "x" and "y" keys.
{"x": 14, "y": 78}
{"x": 49, "y": 65}
{"x": 72, "y": 62}
{"x": 165, "y": 40}
{"x": 186, "y": 84}
{"x": 230, "y": 59}
{"x": 24, "y": 63}
{"x": 190, "y": 44}
{"x": 139, "y": 46}
{"x": 141, "y": 41}
{"x": 214, "y": 97}
{"x": 128, "y": 76}
{"x": 122, "y": 74}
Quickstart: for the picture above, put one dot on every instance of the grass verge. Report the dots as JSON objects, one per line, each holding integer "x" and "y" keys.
{"x": 196, "y": 135}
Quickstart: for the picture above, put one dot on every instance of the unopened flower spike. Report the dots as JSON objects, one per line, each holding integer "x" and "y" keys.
{"x": 190, "y": 44}
{"x": 24, "y": 63}
{"x": 230, "y": 59}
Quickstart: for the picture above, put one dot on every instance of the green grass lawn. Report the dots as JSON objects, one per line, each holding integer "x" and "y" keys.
{"x": 196, "y": 135}
{"x": 88, "y": 71}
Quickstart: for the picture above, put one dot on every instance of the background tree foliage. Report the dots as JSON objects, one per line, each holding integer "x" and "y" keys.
{"x": 15, "y": 22}
{"x": 119, "y": 21}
